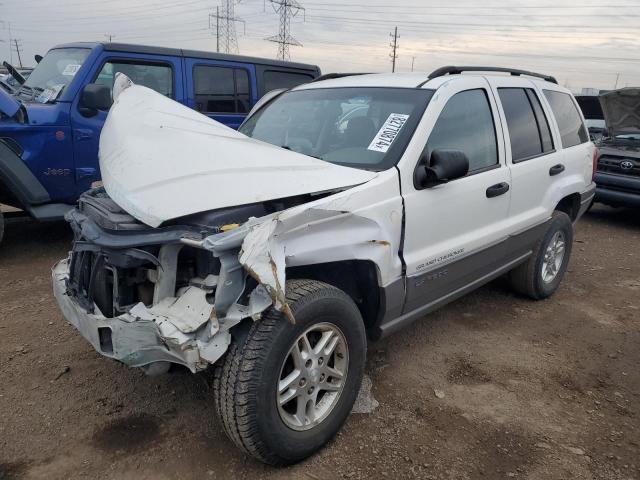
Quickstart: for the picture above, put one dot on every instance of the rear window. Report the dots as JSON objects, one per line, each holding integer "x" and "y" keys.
{"x": 274, "y": 79}
{"x": 221, "y": 89}
{"x": 572, "y": 130}
{"x": 529, "y": 132}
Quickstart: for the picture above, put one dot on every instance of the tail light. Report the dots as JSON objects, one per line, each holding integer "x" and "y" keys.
{"x": 596, "y": 153}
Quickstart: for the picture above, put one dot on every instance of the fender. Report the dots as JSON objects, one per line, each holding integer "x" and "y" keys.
{"x": 20, "y": 188}
{"x": 18, "y": 179}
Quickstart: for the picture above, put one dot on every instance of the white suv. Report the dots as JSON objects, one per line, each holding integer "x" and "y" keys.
{"x": 342, "y": 210}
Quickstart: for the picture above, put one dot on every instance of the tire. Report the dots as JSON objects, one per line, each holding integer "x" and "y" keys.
{"x": 529, "y": 277}
{"x": 246, "y": 380}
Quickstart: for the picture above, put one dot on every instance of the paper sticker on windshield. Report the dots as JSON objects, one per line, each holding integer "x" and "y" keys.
{"x": 50, "y": 93}
{"x": 70, "y": 70}
{"x": 388, "y": 132}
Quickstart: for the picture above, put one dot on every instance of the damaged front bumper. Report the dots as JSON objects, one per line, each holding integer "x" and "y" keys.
{"x": 155, "y": 296}
{"x": 144, "y": 336}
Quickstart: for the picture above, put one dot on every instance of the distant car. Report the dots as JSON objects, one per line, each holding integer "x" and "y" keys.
{"x": 50, "y": 125}
{"x": 9, "y": 83}
{"x": 618, "y": 170}
{"x": 593, "y": 115}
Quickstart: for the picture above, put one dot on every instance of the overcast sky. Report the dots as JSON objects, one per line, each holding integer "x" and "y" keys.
{"x": 582, "y": 44}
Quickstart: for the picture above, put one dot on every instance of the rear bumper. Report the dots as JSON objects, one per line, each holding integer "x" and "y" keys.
{"x": 133, "y": 340}
{"x": 618, "y": 190}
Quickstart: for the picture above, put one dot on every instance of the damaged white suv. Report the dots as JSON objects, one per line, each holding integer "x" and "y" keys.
{"x": 342, "y": 210}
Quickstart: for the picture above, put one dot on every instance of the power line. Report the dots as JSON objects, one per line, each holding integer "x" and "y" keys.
{"x": 287, "y": 9}
{"x": 17, "y": 43}
{"x": 394, "y": 49}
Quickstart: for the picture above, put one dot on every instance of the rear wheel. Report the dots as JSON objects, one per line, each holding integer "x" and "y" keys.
{"x": 287, "y": 389}
{"x": 540, "y": 276}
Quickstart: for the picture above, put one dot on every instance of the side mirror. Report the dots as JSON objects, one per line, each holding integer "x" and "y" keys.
{"x": 443, "y": 166}
{"x": 94, "y": 97}
{"x": 37, "y": 58}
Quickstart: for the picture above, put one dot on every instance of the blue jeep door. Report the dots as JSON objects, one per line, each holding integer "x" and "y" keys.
{"x": 161, "y": 73}
{"x": 224, "y": 91}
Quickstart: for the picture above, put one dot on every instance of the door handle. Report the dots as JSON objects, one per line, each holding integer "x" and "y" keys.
{"x": 497, "y": 189}
{"x": 556, "y": 169}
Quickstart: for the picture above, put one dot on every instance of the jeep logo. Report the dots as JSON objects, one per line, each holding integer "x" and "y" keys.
{"x": 57, "y": 171}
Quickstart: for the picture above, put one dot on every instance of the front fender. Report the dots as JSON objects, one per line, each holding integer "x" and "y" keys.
{"x": 19, "y": 180}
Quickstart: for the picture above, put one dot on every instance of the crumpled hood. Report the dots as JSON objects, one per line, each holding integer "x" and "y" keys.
{"x": 621, "y": 110}
{"x": 161, "y": 160}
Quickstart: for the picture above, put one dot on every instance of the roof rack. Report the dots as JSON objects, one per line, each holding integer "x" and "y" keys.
{"x": 451, "y": 70}
{"x": 329, "y": 76}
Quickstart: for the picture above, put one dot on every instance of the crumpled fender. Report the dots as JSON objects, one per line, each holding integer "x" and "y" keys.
{"x": 330, "y": 229}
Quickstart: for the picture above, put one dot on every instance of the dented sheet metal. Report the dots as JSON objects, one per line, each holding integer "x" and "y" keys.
{"x": 349, "y": 225}
{"x": 161, "y": 160}
{"x": 263, "y": 258}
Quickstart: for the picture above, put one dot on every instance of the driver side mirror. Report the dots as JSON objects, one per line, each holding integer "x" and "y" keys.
{"x": 443, "y": 166}
{"x": 94, "y": 97}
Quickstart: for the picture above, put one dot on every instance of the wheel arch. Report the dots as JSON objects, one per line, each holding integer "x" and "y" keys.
{"x": 357, "y": 278}
{"x": 570, "y": 205}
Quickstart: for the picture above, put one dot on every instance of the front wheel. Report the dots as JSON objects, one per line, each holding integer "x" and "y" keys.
{"x": 287, "y": 389}
{"x": 540, "y": 276}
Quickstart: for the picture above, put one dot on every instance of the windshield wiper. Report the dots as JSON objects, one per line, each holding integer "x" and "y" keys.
{"x": 287, "y": 147}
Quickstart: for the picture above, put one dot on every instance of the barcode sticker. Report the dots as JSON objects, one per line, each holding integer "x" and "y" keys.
{"x": 388, "y": 132}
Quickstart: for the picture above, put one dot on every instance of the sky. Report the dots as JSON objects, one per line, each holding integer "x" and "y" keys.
{"x": 583, "y": 44}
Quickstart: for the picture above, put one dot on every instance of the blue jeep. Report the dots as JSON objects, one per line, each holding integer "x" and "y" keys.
{"x": 50, "y": 127}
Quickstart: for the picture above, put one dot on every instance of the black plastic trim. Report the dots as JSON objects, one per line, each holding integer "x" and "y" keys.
{"x": 330, "y": 76}
{"x": 17, "y": 177}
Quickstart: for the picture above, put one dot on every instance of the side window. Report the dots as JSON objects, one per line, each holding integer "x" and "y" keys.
{"x": 221, "y": 89}
{"x": 155, "y": 76}
{"x": 242, "y": 90}
{"x": 529, "y": 130}
{"x": 276, "y": 79}
{"x": 466, "y": 124}
{"x": 572, "y": 130}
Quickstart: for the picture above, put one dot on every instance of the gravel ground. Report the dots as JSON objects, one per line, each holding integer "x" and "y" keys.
{"x": 492, "y": 386}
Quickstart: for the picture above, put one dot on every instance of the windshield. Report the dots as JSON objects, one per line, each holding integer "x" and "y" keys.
{"x": 55, "y": 71}
{"x": 365, "y": 128}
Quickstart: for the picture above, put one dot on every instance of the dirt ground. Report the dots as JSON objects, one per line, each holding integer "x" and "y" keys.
{"x": 492, "y": 386}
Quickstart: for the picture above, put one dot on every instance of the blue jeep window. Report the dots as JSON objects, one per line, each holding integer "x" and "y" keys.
{"x": 154, "y": 76}
{"x": 274, "y": 79}
{"x": 221, "y": 89}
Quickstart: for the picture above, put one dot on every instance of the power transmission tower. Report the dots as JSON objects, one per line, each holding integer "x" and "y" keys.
{"x": 217, "y": 17}
{"x": 287, "y": 9}
{"x": 394, "y": 48}
{"x": 226, "y": 38}
{"x": 109, "y": 36}
{"x": 18, "y": 46}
